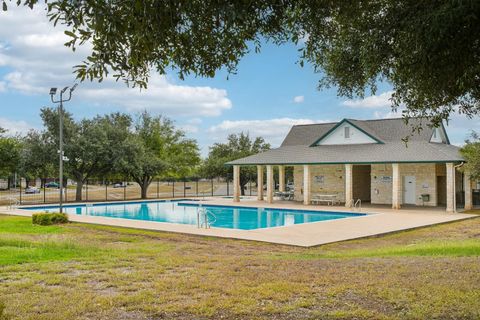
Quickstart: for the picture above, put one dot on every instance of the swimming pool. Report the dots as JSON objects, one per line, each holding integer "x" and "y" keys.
{"x": 182, "y": 212}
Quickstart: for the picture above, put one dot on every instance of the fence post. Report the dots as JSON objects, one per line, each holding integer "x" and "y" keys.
{"x": 228, "y": 191}
{"x": 20, "y": 190}
{"x": 125, "y": 189}
{"x": 158, "y": 188}
{"x": 212, "y": 187}
{"x": 196, "y": 187}
{"x": 44, "y": 191}
{"x": 106, "y": 189}
{"x": 173, "y": 189}
{"x": 86, "y": 191}
{"x": 250, "y": 186}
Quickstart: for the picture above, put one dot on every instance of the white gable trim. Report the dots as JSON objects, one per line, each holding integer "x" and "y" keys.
{"x": 438, "y": 135}
{"x": 354, "y": 136}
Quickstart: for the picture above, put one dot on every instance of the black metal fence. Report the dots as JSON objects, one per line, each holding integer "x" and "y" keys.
{"x": 45, "y": 191}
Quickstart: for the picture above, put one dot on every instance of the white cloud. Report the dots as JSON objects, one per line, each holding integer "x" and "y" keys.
{"x": 38, "y": 60}
{"x": 13, "y": 127}
{"x": 161, "y": 96}
{"x": 194, "y": 121}
{"x": 388, "y": 114}
{"x": 272, "y": 130}
{"x": 372, "y": 102}
{"x": 298, "y": 99}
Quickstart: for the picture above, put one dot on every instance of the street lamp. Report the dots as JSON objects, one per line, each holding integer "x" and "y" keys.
{"x": 53, "y": 92}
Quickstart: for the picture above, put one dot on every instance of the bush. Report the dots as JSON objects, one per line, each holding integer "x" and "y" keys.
{"x": 46, "y": 219}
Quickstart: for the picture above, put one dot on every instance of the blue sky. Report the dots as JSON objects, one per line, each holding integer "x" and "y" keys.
{"x": 268, "y": 95}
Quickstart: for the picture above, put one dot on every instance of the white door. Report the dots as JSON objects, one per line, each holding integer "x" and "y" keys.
{"x": 409, "y": 190}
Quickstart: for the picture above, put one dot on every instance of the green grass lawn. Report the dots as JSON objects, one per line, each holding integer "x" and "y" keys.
{"x": 79, "y": 271}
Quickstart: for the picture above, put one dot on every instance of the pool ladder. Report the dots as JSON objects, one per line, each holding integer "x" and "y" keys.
{"x": 13, "y": 203}
{"x": 356, "y": 205}
{"x": 205, "y": 218}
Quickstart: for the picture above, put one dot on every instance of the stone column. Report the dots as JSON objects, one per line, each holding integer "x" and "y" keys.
{"x": 396, "y": 186}
{"x": 259, "y": 183}
{"x": 307, "y": 185}
{"x": 348, "y": 185}
{"x": 450, "y": 187}
{"x": 236, "y": 183}
{"x": 281, "y": 178}
{"x": 468, "y": 191}
{"x": 270, "y": 184}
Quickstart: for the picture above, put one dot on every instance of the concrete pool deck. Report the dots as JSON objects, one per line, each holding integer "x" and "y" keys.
{"x": 378, "y": 220}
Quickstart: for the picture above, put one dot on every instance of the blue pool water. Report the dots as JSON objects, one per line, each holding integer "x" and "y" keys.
{"x": 245, "y": 218}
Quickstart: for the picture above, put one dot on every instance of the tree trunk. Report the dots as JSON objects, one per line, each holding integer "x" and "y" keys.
{"x": 144, "y": 190}
{"x": 145, "y": 183}
{"x": 78, "y": 194}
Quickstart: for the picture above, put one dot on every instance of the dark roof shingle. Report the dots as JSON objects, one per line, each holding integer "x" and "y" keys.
{"x": 296, "y": 147}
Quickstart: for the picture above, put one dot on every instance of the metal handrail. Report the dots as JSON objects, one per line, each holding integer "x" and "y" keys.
{"x": 350, "y": 203}
{"x": 205, "y": 218}
{"x": 354, "y": 204}
{"x": 14, "y": 203}
{"x": 211, "y": 221}
{"x": 359, "y": 203}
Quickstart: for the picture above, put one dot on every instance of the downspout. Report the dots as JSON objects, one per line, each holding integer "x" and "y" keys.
{"x": 455, "y": 186}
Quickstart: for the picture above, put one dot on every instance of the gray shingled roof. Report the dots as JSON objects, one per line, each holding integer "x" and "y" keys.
{"x": 297, "y": 149}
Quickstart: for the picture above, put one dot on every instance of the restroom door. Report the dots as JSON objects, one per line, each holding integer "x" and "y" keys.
{"x": 409, "y": 190}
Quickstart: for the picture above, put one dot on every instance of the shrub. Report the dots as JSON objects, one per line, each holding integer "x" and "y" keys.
{"x": 46, "y": 219}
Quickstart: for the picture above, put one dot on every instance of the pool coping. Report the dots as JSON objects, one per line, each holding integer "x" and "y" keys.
{"x": 375, "y": 222}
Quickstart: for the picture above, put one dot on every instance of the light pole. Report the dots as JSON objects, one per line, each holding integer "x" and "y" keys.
{"x": 53, "y": 91}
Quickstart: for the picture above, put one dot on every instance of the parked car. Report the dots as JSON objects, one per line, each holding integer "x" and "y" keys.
{"x": 52, "y": 185}
{"x": 119, "y": 185}
{"x": 32, "y": 190}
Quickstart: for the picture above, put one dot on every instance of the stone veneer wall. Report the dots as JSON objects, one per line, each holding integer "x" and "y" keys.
{"x": 298, "y": 183}
{"x": 333, "y": 181}
{"x": 381, "y": 183}
{"x": 425, "y": 179}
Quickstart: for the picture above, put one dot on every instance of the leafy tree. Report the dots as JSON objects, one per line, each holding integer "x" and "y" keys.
{"x": 38, "y": 155}
{"x": 92, "y": 146}
{"x": 9, "y": 153}
{"x": 427, "y": 50}
{"x": 237, "y": 146}
{"x": 471, "y": 152}
{"x": 157, "y": 148}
